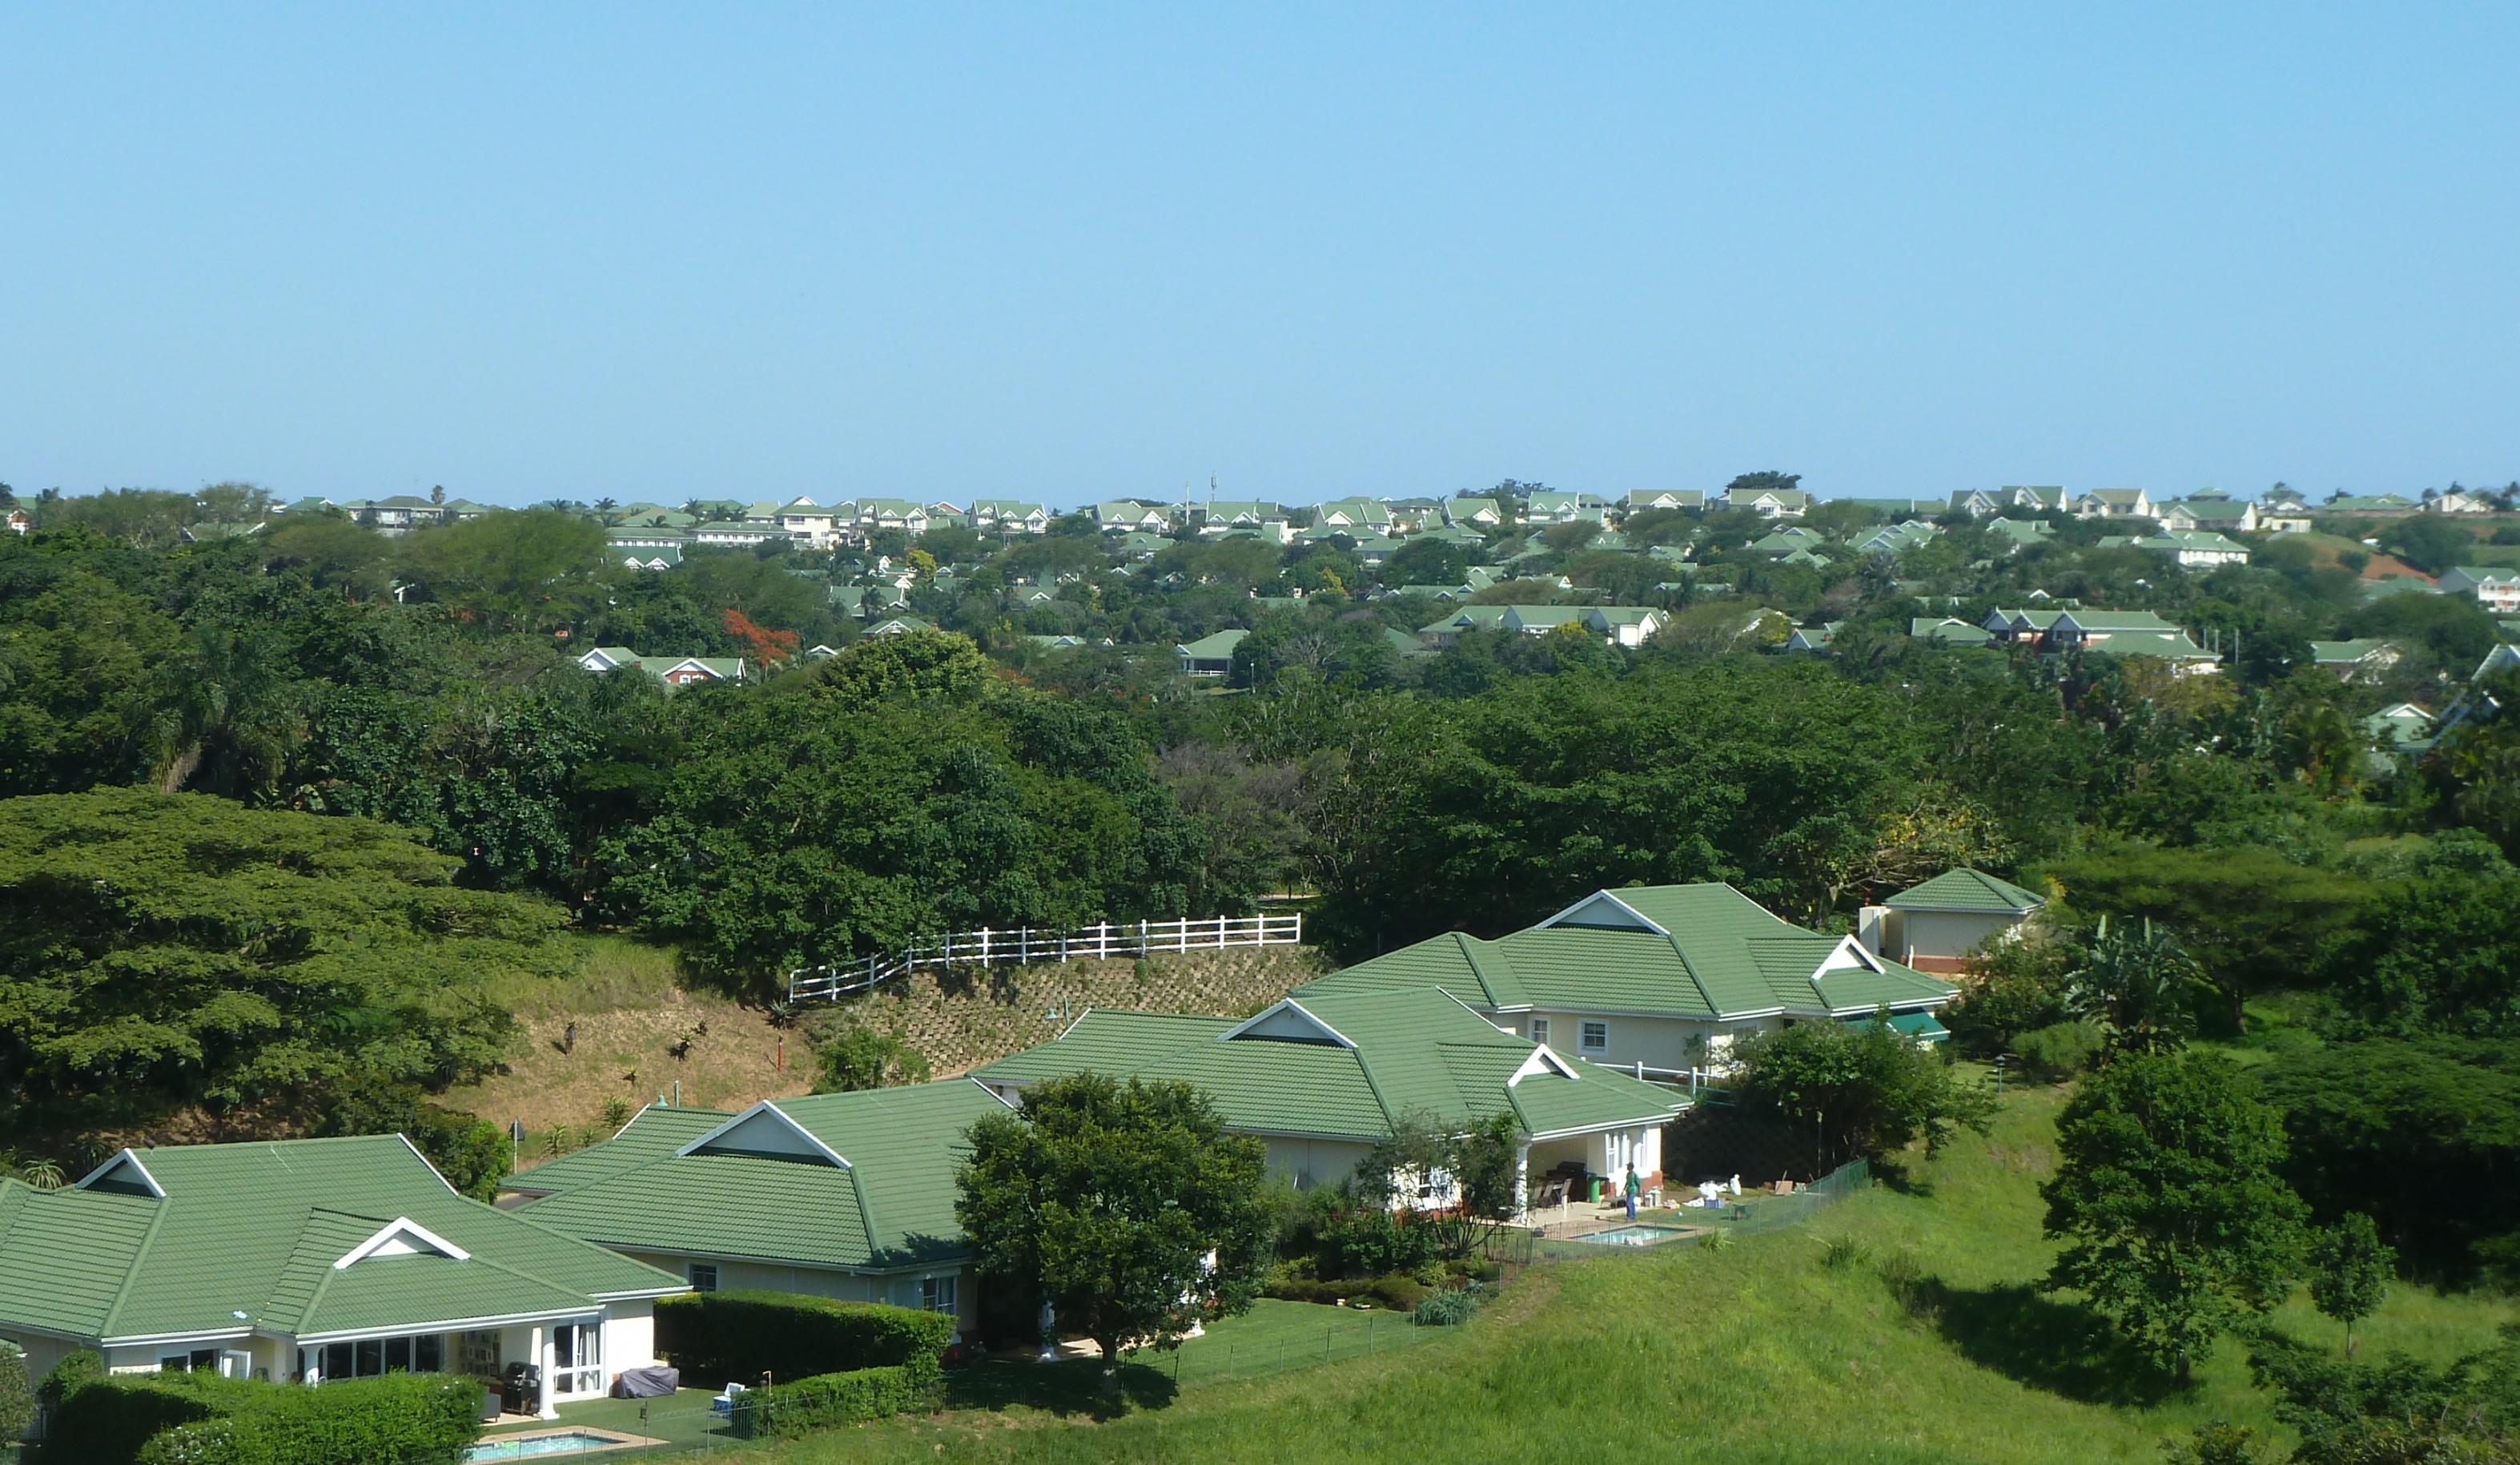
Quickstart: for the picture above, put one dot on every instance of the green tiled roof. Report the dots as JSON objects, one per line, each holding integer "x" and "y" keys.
{"x": 891, "y": 1204}
{"x": 1700, "y": 951}
{"x": 1407, "y": 1051}
{"x": 1966, "y": 889}
{"x": 1214, "y": 647}
{"x": 261, "y": 1228}
{"x": 653, "y": 1133}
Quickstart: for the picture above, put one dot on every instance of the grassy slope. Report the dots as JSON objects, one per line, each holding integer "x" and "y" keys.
{"x": 1759, "y": 1353}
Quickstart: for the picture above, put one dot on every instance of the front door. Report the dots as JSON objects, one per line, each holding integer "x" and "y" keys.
{"x": 578, "y": 1359}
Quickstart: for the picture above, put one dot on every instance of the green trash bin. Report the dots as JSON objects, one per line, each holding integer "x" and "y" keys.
{"x": 1597, "y": 1184}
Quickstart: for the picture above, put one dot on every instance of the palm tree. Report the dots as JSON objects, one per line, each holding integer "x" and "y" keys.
{"x": 229, "y": 712}
{"x": 2138, "y": 982}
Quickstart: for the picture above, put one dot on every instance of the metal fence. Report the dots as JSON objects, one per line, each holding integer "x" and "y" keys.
{"x": 1025, "y": 945}
{"x": 1539, "y": 1246}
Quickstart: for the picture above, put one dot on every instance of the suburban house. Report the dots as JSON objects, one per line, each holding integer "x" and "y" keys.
{"x": 899, "y": 626}
{"x": 2283, "y": 518}
{"x": 1622, "y": 625}
{"x": 1322, "y": 1077}
{"x": 2359, "y": 660}
{"x": 1476, "y": 513}
{"x": 1933, "y": 927}
{"x": 2458, "y": 501}
{"x": 1813, "y": 638}
{"x": 1468, "y": 618}
{"x": 847, "y": 1196}
{"x": 1768, "y": 503}
{"x": 1121, "y": 516}
{"x": 1660, "y": 976}
{"x": 2210, "y": 508}
{"x": 1209, "y": 656}
{"x": 2370, "y": 503}
{"x": 1978, "y": 503}
{"x": 1641, "y": 499}
{"x": 2189, "y": 548}
{"x": 1552, "y": 508}
{"x": 2117, "y": 503}
{"x": 673, "y": 671}
{"x": 2495, "y": 589}
{"x": 1948, "y": 630}
{"x": 2395, "y": 731}
{"x": 2019, "y": 534}
{"x": 1009, "y": 516}
{"x": 305, "y": 1260}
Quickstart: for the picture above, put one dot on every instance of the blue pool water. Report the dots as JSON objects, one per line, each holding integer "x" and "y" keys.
{"x": 1632, "y": 1235}
{"x": 537, "y": 1446}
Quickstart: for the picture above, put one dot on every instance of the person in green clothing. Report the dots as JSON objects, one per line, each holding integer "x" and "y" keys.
{"x": 1631, "y": 1190}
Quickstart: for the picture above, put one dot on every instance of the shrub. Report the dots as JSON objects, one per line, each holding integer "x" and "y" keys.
{"x": 2059, "y": 1050}
{"x": 742, "y": 1335}
{"x": 1448, "y": 1308}
{"x": 17, "y": 1400}
{"x": 789, "y": 1411}
{"x": 201, "y": 1419}
{"x": 1399, "y": 1292}
{"x": 1839, "y": 1252}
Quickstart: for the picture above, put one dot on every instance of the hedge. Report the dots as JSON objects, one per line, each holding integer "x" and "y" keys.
{"x": 1399, "y": 1292}
{"x": 721, "y": 1337}
{"x": 792, "y": 1411}
{"x": 201, "y": 1419}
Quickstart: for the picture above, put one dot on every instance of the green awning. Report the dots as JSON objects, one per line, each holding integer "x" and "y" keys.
{"x": 1920, "y": 1025}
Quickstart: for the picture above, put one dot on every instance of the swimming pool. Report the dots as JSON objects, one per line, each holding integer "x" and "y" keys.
{"x": 544, "y": 1446}
{"x": 1633, "y": 1235}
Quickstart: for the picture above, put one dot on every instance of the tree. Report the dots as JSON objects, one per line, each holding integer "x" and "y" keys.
{"x": 159, "y": 951}
{"x": 1865, "y": 1090}
{"x": 2431, "y": 543}
{"x": 1478, "y": 1166}
{"x": 904, "y": 667}
{"x": 2434, "y": 954}
{"x": 1762, "y": 480}
{"x": 17, "y": 1394}
{"x": 2350, "y": 1270}
{"x": 532, "y": 569}
{"x": 1126, "y": 1207}
{"x": 2174, "y": 1222}
{"x": 863, "y": 1058}
{"x": 2400, "y": 1411}
{"x": 2136, "y": 981}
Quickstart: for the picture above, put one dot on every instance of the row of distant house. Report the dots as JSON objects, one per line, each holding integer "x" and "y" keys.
{"x": 328, "y": 1258}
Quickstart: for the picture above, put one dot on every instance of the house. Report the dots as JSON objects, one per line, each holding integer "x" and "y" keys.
{"x": 1225, "y": 514}
{"x": 2370, "y": 503}
{"x": 2359, "y": 662}
{"x": 1009, "y": 516}
{"x": 1662, "y": 976}
{"x": 1948, "y": 630}
{"x": 1551, "y": 508}
{"x": 2187, "y": 658}
{"x": 303, "y": 1260}
{"x": 673, "y": 671}
{"x": 20, "y": 521}
{"x": 2283, "y": 518}
{"x": 1622, "y": 625}
{"x": 2080, "y": 629}
{"x": 1768, "y": 503}
{"x": 1639, "y": 500}
{"x": 2188, "y": 548}
{"x": 1978, "y": 503}
{"x": 1785, "y": 541}
{"x": 1324, "y": 1077}
{"x": 1896, "y": 537}
{"x": 847, "y": 1196}
{"x": 1122, "y": 516}
{"x": 1209, "y": 656}
{"x": 2213, "y": 510}
{"x": 1353, "y": 516}
{"x": 1933, "y": 927}
{"x": 2496, "y": 589}
{"x": 737, "y": 533}
{"x": 1468, "y": 618}
{"x": 899, "y": 626}
{"x": 2029, "y": 627}
{"x": 1813, "y": 638}
{"x": 2395, "y": 731}
{"x": 2018, "y": 534}
{"x": 2117, "y": 503}
{"x": 2458, "y": 501}
{"x": 1472, "y": 513}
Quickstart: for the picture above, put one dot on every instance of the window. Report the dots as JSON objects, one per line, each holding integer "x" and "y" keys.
{"x": 337, "y": 1361}
{"x": 397, "y": 1355}
{"x": 938, "y": 1293}
{"x": 371, "y": 1357}
{"x": 704, "y": 1276}
{"x": 1596, "y": 1037}
{"x": 428, "y": 1353}
{"x": 206, "y": 1359}
{"x": 1540, "y": 1029}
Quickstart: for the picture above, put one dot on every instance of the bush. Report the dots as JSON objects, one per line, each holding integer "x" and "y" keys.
{"x": 791, "y": 1411}
{"x": 201, "y": 1419}
{"x": 1449, "y": 1308}
{"x": 742, "y": 1335}
{"x": 17, "y": 1400}
{"x": 1399, "y": 1292}
{"x": 2059, "y": 1050}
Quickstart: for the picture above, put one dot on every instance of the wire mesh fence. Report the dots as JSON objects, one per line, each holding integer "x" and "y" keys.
{"x": 1542, "y": 1245}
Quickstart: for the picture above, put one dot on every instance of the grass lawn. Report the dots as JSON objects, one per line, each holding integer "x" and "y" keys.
{"x": 1761, "y": 1353}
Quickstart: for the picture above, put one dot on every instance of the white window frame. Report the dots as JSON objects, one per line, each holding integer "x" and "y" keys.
{"x": 942, "y": 1293}
{"x": 1583, "y": 1038}
{"x": 1540, "y": 1031}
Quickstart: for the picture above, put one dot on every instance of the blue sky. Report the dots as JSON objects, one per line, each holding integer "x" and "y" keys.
{"x": 1076, "y": 251}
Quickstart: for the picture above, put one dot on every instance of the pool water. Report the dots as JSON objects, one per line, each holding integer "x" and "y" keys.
{"x": 537, "y": 1446}
{"x": 1633, "y": 1235}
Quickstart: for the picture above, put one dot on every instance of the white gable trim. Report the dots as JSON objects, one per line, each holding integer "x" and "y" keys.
{"x": 1286, "y": 1006}
{"x": 397, "y": 1238}
{"x": 432, "y": 1168}
{"x": 1642, "y": 921}
{"x": 1850, "y": 956}
{"x": 121, "y": 1158}
{"x": 1543, "y": 1060}
{"x": 771, "y": 1110}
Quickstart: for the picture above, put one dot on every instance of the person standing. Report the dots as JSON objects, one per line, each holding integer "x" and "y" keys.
{"x": 1631, "y": 1190}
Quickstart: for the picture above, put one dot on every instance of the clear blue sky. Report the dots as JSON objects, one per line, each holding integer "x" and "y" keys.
{"x": 1065, "y": 253}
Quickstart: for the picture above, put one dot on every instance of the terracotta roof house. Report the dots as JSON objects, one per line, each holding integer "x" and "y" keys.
{"x": 1662, "y": 976}
{"x": 311, "y": 1259}
{"x": 1325, "y": 1075}
{"x": 1934, "y": 926}
{"x": 847, "y": 1196}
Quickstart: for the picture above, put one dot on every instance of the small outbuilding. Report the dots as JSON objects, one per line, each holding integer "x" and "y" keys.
{"x": 1933, "y": 927}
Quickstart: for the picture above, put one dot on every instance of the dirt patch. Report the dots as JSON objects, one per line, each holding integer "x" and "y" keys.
{"x": 720, "y": 1056}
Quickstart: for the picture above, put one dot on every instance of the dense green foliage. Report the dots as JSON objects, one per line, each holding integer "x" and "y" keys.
{"x": 17, "y": 1394}
{"x": 159, "y": 951}
{"x": 2348, "y": 1271}
{"x": 795, "y": 1410}
{"x": 1860, "y": 1090}
{"x": 2166, "y": 1196}
{"x": 744, "y": 1335}
{"x": 202, "y": 1419}
{"x": 1124, "y": 1206}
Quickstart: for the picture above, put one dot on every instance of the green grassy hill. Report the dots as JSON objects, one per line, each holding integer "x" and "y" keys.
{"x": 1774, "y": 1350}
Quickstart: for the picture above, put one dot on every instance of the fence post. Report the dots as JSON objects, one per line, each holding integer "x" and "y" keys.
{"x": 1102, "y": 940}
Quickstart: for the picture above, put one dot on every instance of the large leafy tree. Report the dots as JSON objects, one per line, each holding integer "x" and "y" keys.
{"x": 2138, "y": 984}
{"x": 1471, "y": 1173}
{"x": 534, "y": 569}
{"x": 1862, "y": 1090}
{"x": 2175, "y": 1222}
{"x": 2435, "y": 953}
{"x": 1126, "y": 1207}
{"x": 164, "y": 951}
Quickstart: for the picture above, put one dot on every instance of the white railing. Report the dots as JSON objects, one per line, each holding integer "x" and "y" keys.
{"x": 1027, "y": 944}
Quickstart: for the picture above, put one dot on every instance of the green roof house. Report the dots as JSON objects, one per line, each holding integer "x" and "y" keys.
{"x": 1209, "y": 656}
{"x": 302, "y": 1259}
{"x": 1662, "y": 976}
{"x": 1472, "y": 513}
{"x": 837, "y": 1195}
{"x": 1948, "y": 630}
{"x": 2359, "y": 662}
{"x": 1933, "y": 927}
{"x": 673, "y": 671}
{"x": 1325, "y": 1075}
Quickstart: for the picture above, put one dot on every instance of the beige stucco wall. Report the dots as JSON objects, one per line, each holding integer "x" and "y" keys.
{"x": 1307, "y": 1163}
{"x": 1946, "y": 933}
{"x": 1657, "y": 1042}
{"x": 813, "y": 1281}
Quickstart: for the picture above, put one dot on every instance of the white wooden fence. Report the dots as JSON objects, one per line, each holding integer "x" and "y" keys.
{"x": 1026, "y": 943}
